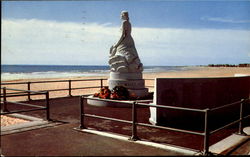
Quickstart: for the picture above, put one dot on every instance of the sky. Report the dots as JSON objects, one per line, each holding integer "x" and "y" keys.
{"x": 166, "y": 33}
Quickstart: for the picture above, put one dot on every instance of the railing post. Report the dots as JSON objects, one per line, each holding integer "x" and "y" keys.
{"x": 28, "y": 84}
{"x": 70, "y": 88}
{"x": 82, "y": 113}
{"x": 4, "y": 100}
{"x": 47, "y": 107}
{"x": 241, "y": 118}
{"x": 206, "y": 134}
{"x": 101, "y": 83}
{"x": 134, "y": 136}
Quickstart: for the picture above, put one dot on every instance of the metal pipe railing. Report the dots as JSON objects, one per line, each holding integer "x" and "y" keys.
{"x": 134, "y": 136}
{"x": 70, "y": 88}
{"x": 207, "y": 113}
{"x": 206, "y": 133}
{"x": 225, "y": 126}
{"x": 28, "y": 91}
{"x": 87, "y": 87}
{"x": 22, "y": 111}
{"x": 149, "y": 105}
{"x": 41, "y": 92}
{"x": 53, "y": 81}
{"x": 82, "y": 112}
{"x": 20, "y": 95}
{"x": 14, "y": 93}
{"x": 134, "y": 121}
{"x": 5, "y": 110}
{"x": 241, "y": 117}
{"x": 171, "y": 129}
{"x": 47, "y": 107}
{"x": 227, "y": 105}
{"x": 24, "y": 104}
{"x": 173, "y": 107}
{"x": 4, "y": 101}
{"x": 109, "y": 100}
{"x": 101, "y": 83}
{"x": 107, "y": 118}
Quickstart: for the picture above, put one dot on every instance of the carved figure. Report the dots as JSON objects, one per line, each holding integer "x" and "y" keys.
{"x": 123, "y": 55}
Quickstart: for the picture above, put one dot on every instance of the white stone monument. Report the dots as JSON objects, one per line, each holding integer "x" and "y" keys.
{"x": 125, "y": 65}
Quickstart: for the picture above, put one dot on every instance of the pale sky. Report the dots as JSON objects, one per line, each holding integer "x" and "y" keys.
{"x": 168, "y": 33}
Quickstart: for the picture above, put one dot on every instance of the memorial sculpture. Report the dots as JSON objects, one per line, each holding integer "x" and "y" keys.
{"x": 123, "y": 54}
{"x": 125, "y": 65}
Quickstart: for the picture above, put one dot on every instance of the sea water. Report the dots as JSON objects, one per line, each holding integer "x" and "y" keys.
{"x": 17, "y": 72}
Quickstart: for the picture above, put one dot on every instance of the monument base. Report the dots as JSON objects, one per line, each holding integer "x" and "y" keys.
{"x": 138, "y": 92}
{"x": 114, "y": 103}
{"x": 132, "y": 81}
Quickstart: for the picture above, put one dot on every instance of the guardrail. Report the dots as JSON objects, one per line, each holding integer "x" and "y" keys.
{"x": 5, "y": 110}
{"x": 206, "y": 133}
{"x": 69, "y": 89}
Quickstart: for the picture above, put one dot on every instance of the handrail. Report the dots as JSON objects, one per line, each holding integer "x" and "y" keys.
{"x": 173, "y": 107}
{"x": 110, "y": 100}
{"x": 5, "y": 110}
{"x": 24, "y": 104}
{"x": 206, "y": 133}
{"x": 134, "y": 119}
{"x": 11, "y": 83}
{"x": 19, "y": 95}
{"x": 170, "y": 128}
{"x": 39, "y": 92}
{"x": 69, "y": 89}
{"x": 227, "y": 105}
{"x": 15, "y": 93}
{"x": 225, "y": 126}
{"x": 21, "y": 111}
{"x": 107, "y": 118}
{"x": 149, "y": 105}
{"x": 55, "y": 90}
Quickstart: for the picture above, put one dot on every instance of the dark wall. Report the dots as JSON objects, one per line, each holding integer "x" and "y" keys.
{"x": 200, "y": 93}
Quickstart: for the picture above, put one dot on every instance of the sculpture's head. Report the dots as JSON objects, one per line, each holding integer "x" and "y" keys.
{"x": 124, "y": 15}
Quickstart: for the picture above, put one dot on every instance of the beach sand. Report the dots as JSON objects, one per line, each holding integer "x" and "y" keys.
{"x": 187, "y": 73}
{"x": 6, "y": 120}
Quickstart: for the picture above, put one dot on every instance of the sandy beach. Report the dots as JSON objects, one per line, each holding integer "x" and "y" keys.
{"x": 186, "y": 73}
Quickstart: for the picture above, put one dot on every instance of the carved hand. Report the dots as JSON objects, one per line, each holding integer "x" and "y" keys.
{"x": 112, "y": 51}
{"x": 115, "y": 46}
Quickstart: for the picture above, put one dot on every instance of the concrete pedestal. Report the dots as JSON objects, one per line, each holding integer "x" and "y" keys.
{"x": 114, "y": 103}
{"x": 132, "y": 81}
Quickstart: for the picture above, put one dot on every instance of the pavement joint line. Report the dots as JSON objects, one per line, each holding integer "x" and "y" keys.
{"x": 25, "y": 117}
{"x": 229, "y": 143}
{"x": 33, "y": 126}
{"x": 147, "y": 143}
{"x": 34, "y": 123}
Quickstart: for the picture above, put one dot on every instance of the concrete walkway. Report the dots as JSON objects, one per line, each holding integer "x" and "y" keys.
{"x": 63, "y": 140}
{"x": 233, "y": 144}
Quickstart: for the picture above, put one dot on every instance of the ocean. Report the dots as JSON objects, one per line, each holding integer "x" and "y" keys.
{"x": 17, "y": 72}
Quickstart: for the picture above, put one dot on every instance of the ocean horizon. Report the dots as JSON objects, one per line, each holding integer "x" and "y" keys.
{"x": 17, "y": 72}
